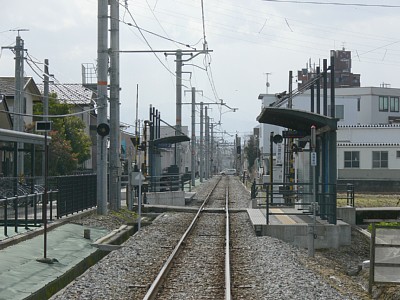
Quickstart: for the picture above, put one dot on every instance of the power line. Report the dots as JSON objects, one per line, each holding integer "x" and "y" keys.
{"x": 156, "y": 34}
{"x": 336, "y": 3}
{"x": 147, "y": 42}
{"x": 50, "y": 116}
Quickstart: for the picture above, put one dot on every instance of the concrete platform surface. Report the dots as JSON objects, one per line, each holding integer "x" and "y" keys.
{"x": 21, "y": 274}
{"x": 292, "y": 226}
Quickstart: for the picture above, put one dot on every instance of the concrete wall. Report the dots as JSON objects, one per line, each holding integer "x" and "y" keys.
{"x": 327, "y": 235}
{"x": 346, "y": 214}
{"x": 169, "y": 198}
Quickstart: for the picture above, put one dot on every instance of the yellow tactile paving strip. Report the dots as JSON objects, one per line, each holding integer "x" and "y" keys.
{"x": 284, "y": 219}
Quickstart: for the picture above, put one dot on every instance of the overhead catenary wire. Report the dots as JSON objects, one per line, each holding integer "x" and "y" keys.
{"x": 147, "y": 42}
{"x": 260, "y": 15}
{"x": 50, "y": 116}
{"x": 336, "y": 3}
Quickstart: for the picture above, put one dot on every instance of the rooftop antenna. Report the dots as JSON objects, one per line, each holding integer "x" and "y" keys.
{"x": 19, "y": 30}
{"x": 267, "y": 85}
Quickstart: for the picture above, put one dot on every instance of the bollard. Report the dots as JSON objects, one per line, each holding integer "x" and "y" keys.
{"x": 86, "y": 234}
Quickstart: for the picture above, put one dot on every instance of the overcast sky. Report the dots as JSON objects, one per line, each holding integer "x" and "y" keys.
{"x": 248, "y": 38}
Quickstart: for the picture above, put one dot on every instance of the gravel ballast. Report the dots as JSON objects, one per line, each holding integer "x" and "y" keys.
{"x": 263, "y": 267}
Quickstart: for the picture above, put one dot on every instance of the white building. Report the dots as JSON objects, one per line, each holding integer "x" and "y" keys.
{"x": 368, "y": 134}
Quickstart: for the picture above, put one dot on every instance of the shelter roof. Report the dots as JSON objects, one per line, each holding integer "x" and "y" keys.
{"x": 296, "y": 119}
{"x": 172, "y": 139}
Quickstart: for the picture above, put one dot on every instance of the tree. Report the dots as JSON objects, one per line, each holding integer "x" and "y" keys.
{"x": 70, "y": 145}
{"x": 251, "y": 151}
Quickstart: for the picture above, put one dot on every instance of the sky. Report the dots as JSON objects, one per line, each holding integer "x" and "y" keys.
{"x": 247, "y": 39}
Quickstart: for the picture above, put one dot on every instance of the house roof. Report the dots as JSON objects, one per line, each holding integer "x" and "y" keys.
{"x": 7, "y": 87}
{"x": 71, "y": 93}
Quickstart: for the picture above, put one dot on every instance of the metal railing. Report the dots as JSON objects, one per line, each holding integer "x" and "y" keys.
{"x": 300, "y": 196}
{"x": 169, "y": 182}
{"x": 25, "y": 211}
{"x": 66, "y": 195}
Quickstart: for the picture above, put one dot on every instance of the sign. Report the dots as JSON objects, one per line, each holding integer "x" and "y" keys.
{"x": 313, "y": 159}
{"x": 136, "y": 178}
{"x": 42, "y": 126}
{"x": 293, "y": 134}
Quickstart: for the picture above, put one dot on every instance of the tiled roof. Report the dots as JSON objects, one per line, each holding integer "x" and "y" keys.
{"x": 72, "y": 93}
{"x": 7, "y": 86}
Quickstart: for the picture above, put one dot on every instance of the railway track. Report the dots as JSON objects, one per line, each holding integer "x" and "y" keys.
{"x": 203, "y": 250}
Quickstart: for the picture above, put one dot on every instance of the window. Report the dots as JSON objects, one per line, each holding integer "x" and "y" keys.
{"x": 358, "y": 104}
{"x": 352, "y": 159}
{"x": 383, "y": 103}
{"x": 380, "y": 159}
{"x": 397, "y": 154}
{"x": 339, "y": 111}
{"x": 394, "y": 104}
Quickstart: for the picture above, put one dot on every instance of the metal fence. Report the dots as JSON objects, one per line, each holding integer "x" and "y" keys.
{"x": 300, "y": 196}
{"x": 19, "y": 207}
{"x": 25, "y": 211}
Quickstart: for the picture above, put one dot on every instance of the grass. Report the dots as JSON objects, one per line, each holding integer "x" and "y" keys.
{"x": 370, "y": 200}
{"x": 361, "y": 200}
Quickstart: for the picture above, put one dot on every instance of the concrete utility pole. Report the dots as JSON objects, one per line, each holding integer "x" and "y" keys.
{"x": 207, "y": 142}
{"x": 115, "y": 148}
{"x": 212, "y": 149}
{"x": 102, "y": 63}
{"x": 179, "y": 63}
{"x": 178, "y": 106}
{"x": 193, "y": 139}
{"x": 18, "y": 120}
{"x": 201, "y": 143}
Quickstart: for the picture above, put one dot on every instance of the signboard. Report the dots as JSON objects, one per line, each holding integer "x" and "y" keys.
{"x": 42, "y": 126}
{"x": 136, "y": 178}
{"x": 293, "y": 134}
{"x": 313, "y": 159}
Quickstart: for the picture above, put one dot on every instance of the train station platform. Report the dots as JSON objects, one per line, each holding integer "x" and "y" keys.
{"x": 23, "y": 276}
{"x": 294, "y": 227}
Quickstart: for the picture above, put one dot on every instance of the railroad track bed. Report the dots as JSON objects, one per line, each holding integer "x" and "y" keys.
{"x": 198, "y": 273}
{"x": 261, "y": 267}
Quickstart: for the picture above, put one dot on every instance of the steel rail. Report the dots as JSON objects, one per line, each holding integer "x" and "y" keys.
{"x": 157, "y": 283}
{"x": 227, "y": 249}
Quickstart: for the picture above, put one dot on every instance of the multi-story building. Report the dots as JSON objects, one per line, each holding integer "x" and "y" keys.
{"x": 344, "y": 78}
{"x": 368, "y": 135}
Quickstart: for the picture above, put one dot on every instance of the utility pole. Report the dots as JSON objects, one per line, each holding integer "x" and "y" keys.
{"x": 212, "y": 150}
{"x": 201, "y": 143}
{"x": 193, "y": 139}
{"x": 18, "y": 121}
{"x": 115, "y": 149}
{"x": 178, "y": 106}
{"x": 207, "y": 141}
{"x": 102, "y": 62}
